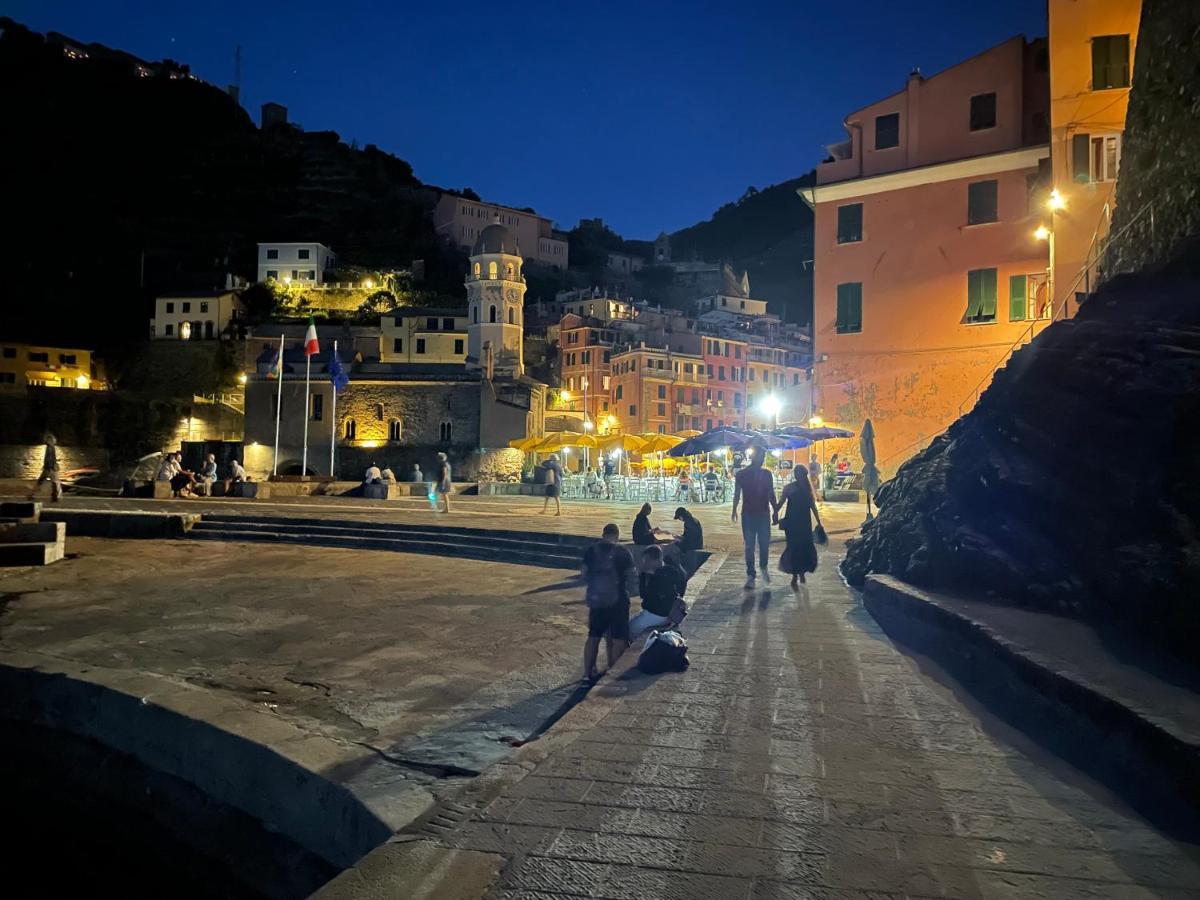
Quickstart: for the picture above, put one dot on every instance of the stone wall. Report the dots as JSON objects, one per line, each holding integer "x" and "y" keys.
{"x": 1158, "y": 192}
{"x": 25, "y": 460}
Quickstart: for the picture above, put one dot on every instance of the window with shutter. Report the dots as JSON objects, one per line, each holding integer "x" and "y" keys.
{"x": 849, "y": 308}
{"x": 981, "y": 295}
{"x": 1017, "y": 300}
{"x": 850, "y": 220}
{"x": 1080, "y": 156}
{"x": 887, "y": 131}
{"x": 982, "y": 202}
{"x": 1110, "y": 62}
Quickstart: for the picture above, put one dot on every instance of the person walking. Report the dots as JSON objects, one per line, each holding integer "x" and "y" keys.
{"x": 800, "y": 555}
{"x": 755, "y": 487}
{"x": 553, "y": 484}
{"x": 49, "y": 471}
{"x": 814, "y": 474}
{"x": 442, "y": 485}
{"x": 608, "y": 569}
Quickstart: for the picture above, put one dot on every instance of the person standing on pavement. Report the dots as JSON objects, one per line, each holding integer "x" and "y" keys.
{"x": 553, "y": 484}
{"x": 800, "y": 556}
{"x": 608, "y": 568}
{"x": 756, "y": 488}
{"x": 49, "y": 471}
{"x": 814, "y": 474}
{"x": 442, "y": 485}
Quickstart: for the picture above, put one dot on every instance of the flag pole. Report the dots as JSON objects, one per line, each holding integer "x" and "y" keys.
{"x": 307, "y": 373}
{"x": 278, "y": 407}
{"x": 333, "y": 422}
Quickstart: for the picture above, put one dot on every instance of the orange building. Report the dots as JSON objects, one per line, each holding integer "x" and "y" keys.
{"x": 656, "y": 390}
{"x": 926, "y": 267}
{"x": 1091, "y": 68}
{"x": 585, "y": 349}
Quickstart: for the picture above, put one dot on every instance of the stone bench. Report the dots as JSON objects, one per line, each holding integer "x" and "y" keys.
{"x": 38, "y": 544}
{"x": 21, "y": 512}
{"x": 159, "y": 490}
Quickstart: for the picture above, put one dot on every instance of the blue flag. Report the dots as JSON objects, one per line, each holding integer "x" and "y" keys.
{"x": 337, "y": 374}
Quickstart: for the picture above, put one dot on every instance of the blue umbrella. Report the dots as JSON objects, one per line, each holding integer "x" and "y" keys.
{"x": 823, "y": 433}
{"x": 713, "y": 440}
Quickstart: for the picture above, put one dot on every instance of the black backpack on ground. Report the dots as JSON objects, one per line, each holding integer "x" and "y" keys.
{"x": 665, "y": 651}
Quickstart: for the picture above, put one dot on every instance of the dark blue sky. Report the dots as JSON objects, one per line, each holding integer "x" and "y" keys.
{"x": 649, "y": 114}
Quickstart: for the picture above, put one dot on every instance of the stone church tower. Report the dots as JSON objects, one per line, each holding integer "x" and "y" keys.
{"x": 496, "y": 304}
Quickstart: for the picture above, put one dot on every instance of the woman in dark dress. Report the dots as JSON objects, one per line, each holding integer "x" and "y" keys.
{"x": 800, "y": 556}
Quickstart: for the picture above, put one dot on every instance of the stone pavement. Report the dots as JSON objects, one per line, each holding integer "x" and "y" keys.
{"x": 803, "y": 755}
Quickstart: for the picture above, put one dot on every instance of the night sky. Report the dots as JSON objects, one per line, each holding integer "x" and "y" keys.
{"x": 648, "y": 114}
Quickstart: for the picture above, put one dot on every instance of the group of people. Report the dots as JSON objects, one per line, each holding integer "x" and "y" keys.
{"x": 186, "y": 483}
{"x": 440, "y": 492}
{"x": 793, "y": 511}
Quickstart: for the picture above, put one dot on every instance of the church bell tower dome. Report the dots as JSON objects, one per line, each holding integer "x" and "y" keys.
{"x": 496, "y": 304}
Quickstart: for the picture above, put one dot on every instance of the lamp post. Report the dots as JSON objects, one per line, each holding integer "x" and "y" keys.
{"x": 770, "y": 406}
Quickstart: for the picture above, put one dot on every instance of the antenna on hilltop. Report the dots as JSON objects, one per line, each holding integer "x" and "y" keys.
{"x": 235, "y": 89}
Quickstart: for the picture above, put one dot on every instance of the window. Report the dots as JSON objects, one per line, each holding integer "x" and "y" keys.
{"x": 187, "y": 307}
{"x": 850, "y": 218}
{"x": 378, "y": 412}
{"x": 737, "y": 352}
{"x": 511, "y": 316}
{"x": 8, "y": 378}
{"x": 10, "y": 352}
{"x": 311, "y": 274}
{"x": 67, "y": 359}
{"x": 476, "y": 270}
{"x": 397, "y": 345}
{"x": 170, "y": 307}
{"x": 272, "y": 254}
{"x": 318, "y": 407}
{"x": 679, "y": 396}
{"x": 302, "y": 253}
{"x": 662, "y": 392}
{"x": 662, "y": 409}
{"x": 633, "y": 409}
{"x": 983, "y": 111}
{"x": 204, "y": 306}
{"x": 39, "y": 357}
{"x": 620, "y": 392}
{"x": 475, "y": 314}
{"x": 1110, "y": 62}
{"x": 981, "y": 295}
{"x": 446, "y": 432}
{"x": 170, "y": 329}
{"x": 1018, "y": 306}
{"x": 1095, "y": 157}
{"x": 431, "y": 324}
{"x": 849, "y": 308}
{"x": 491, "y": 313}
{"x": 604, "y": 381}
{"x": 349, "y": 429}
{"x": 420, "y": 345}
{"x": 887, "y": 131}
{"x": 982, "y": 202}
{"x": 395, "y": 429}
{"x": 492, "y": 270}
{"x": 447, "y": 324}
{"x": 751, "y": 374}
{"x": 272, "y": 274}
{"x": 458, "y": 347}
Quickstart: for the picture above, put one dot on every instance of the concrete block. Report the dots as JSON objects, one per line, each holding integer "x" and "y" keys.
{"x": 160, "y": 490}
{"x": 21, "y": 510}
{"x": 249, "y": 490}
{"x": 122, "y": 524}
{"x": 37, "y": 544}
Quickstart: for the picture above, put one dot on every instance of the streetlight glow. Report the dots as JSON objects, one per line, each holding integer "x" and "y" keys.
{"x": 815, "y": 422}
{"x": 1042, "y": 233}
{"x": 564, "y": 394}
{"x": 1056, "y": 201}
{"x": 587, "y": 425}
{"x": 770, "y": 405}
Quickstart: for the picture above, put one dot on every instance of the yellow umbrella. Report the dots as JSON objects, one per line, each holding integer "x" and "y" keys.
{"x": 556, "y": 441}
{"x": 658, "y": 443}
{"x": 629, "y": 443}
{"x": 525, "y": 444}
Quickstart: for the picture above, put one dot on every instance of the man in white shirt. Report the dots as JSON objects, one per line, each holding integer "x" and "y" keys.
{"x": 373, "y": 476}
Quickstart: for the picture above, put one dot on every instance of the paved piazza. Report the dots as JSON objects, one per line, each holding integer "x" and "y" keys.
{"x": 802, "y": 756}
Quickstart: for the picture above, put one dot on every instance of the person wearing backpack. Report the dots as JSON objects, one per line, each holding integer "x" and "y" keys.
{"x": 662, "y": 584}
{"x": 608, "y": 569}
{"x": 553, "y": 484}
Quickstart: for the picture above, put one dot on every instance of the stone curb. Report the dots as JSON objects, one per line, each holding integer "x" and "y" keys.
{"x": 1155, "y": 770}
{"x": 411, "y": 864}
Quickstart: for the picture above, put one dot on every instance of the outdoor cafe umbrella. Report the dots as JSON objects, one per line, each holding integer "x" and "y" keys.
{"x": 712, "y": 440}
{"x": 659, "y": 443}
{"x": 625, "y": 443}
{"x": 821, "y": 433}
{"x": 526, "y": 444}
{"x": 688, "y": 433}
{"x": 866, "y": 446}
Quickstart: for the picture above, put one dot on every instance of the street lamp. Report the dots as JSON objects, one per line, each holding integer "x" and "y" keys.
{"x": 770, "y": 406}
{"x": 1056, "y": 201}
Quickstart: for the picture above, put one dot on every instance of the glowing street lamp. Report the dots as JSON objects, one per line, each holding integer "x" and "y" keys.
{"x": 1056, "y": 201}
{"x": 1042, "y": 233}
{"x": 770, "y": 406}
{"x": 815, "y": 422}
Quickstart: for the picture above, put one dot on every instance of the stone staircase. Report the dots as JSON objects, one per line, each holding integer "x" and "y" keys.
{"x": 520, "y": 547}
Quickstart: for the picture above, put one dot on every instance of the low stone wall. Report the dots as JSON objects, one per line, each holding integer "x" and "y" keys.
{"x": 25, "y": 460}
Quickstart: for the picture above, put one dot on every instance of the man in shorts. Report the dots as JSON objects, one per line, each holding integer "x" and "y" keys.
{"x": 609, "y": 570}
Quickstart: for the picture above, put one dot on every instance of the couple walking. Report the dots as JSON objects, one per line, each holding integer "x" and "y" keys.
{"x": 754, "y": 488}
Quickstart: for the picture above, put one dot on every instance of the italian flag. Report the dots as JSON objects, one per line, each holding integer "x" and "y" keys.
{"x": 310, "y": 338}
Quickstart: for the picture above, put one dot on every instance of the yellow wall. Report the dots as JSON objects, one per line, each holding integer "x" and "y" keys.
{"x": 1076, "y": 108}
{"x": 63, "y": 367}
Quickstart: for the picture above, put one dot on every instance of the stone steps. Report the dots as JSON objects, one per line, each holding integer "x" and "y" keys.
{"x": 522, "y": 548}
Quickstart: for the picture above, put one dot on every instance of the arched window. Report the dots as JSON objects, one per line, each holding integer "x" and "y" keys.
{"x": 508, "y": 271}
{"x": 350, "y": 430}
{"x": 475, "y": 314}
{"x": 511, "y": 316}
{"x": 378, "y": 412}
{"x": 446, "y": 432}
{"x": 476, "y": 270}
{"x": 492, "y": 270}
{"x": 492, "y": 313}
{"x": 395, "y": 430}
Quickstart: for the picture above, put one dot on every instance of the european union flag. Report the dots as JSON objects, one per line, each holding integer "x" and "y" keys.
{"x": 337, "y": 374}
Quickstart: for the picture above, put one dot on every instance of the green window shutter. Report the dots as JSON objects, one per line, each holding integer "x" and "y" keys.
{"x": 974, "y": 294}
{"x": 1016, "y": 298}
{"x": 1080, "y": 152}
{"x": 987, "y": 308}
{"x": 856, "y": 317}
{"x": 849, "y": 308}
{"x": 1099, "y": 63}
{"x": 850, "y": 223}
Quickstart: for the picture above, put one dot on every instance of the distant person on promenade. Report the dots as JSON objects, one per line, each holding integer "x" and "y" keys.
{"x": 49, "y": 471}
{"x": 593, "y": 484}
{"x": 608, "y": 569}
{"x": 691, "y": 541}
{"x": 685, "y": 485}
{"x": 756, "y": 488}
{"x": 800, "y": 555}
{"x": 553, "y": 484}
{"x": 441, "y": 487}
{"x": 415, "y": 475}
{"x": 831, "y": 470}
{"x": 814, "y": 474}
{"x": 662, "y": 584}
